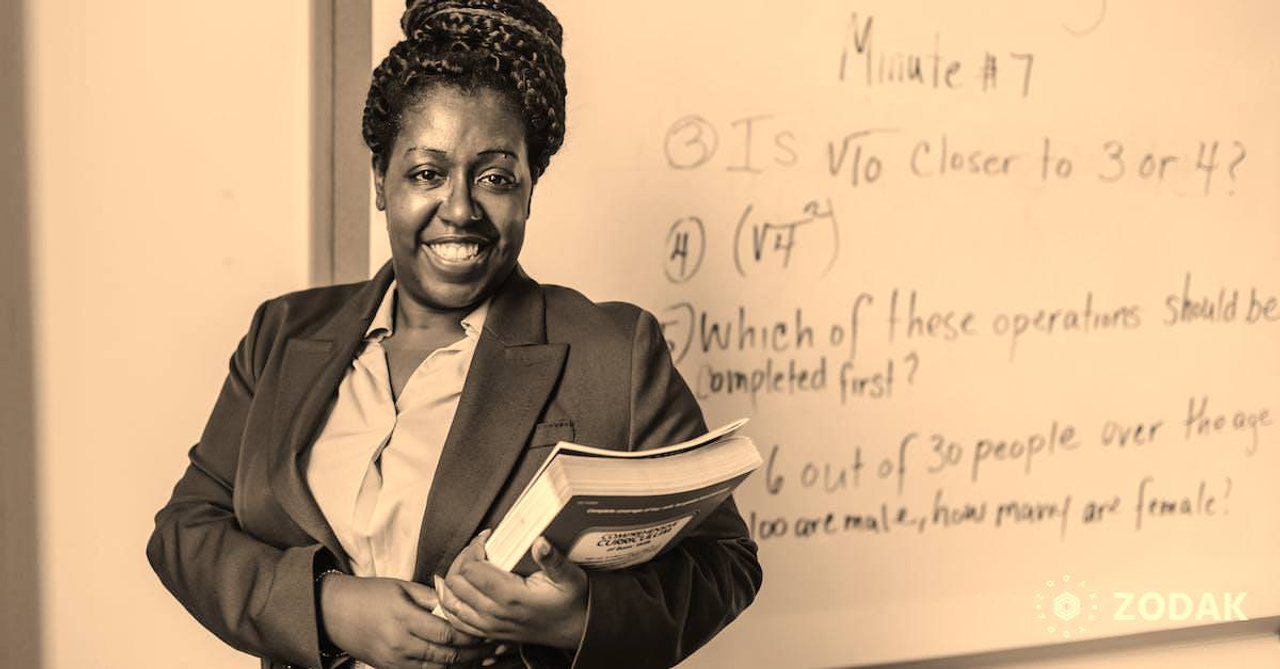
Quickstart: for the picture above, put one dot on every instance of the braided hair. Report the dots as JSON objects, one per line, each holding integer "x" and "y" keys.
{"x": 511, "y": 46}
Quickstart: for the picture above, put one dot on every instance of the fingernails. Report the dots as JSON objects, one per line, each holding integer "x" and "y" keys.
{"x": 543, "y": 548}
{"x": 500, "y": 649}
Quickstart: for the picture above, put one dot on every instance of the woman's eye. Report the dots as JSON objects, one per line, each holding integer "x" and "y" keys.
{"x": 497, "y": 180}
{"x": 428, "y": 176}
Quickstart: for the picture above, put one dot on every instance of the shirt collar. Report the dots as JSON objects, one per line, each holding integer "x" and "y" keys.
{"x": 383, "y": 323}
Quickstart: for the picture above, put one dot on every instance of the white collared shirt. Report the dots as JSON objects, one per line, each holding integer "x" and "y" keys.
{"x": 370, "y": 470}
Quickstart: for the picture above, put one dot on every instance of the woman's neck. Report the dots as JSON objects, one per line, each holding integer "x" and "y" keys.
{"x": 413, "y": 316}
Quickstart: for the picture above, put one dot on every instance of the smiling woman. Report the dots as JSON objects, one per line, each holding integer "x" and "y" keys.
{"x": 459, "y": 161}
{"x": 368, "y": 435}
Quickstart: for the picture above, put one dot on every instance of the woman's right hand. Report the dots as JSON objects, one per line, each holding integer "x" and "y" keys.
{"x": 387, "y": 623}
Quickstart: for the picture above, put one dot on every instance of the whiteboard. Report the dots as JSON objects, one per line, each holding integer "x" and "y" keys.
{"x": 997, "y": 283}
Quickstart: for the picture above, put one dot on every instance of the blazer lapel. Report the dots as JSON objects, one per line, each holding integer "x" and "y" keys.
{"x": 510, "y": 379}
{"x": 313, "y": 367}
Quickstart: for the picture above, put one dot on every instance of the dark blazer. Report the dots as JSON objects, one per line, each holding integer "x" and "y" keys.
{"x": 241, "y": 539}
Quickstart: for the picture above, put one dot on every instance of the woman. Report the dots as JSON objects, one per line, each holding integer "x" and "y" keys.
{"x": 367, "y": 435}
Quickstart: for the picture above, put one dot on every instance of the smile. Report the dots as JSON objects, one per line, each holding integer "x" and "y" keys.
{"x": 456, "y": 251}
{"x": 457, "y": 254}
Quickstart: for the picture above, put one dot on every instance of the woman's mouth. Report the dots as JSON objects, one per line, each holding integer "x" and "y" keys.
{"x": 455, "y": 251}
{"x": 457, "y": 254}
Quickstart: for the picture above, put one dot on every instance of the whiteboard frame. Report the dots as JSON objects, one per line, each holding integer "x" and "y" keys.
{"x": 21, "y": 615}
{"x": 342, "y": 34}
{"x": 1202, "y": 634}
{"x": 340, "y": 253}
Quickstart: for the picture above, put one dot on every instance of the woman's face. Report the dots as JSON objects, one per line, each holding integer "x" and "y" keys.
{"x": 456, "y": 192}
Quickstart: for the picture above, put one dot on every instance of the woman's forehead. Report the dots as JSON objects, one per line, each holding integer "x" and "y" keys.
{"x": 448, "y": 119}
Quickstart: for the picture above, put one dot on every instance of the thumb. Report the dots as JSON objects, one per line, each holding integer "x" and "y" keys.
{"x": 551, "y": 561}
{"x": 474, "y": 550}
{"x": 479, "y": 543}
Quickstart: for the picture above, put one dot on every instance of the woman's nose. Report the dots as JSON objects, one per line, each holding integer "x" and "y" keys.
{"x": 459, "y": 208}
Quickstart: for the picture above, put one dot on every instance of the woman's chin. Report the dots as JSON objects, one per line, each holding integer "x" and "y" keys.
{"x": 440, "y": 293}
{"x": 449, "y": 297}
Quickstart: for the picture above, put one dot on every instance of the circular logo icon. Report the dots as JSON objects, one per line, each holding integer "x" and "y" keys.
{"x": 1066, "y": 607}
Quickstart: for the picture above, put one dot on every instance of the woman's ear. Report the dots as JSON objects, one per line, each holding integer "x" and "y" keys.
{"x": 379, "y": 177}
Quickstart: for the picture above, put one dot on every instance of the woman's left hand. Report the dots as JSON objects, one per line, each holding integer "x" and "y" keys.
{"x": 548, "y": 608}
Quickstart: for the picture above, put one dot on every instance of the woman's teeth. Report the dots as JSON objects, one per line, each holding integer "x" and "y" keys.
{"x": 455, "y": 251}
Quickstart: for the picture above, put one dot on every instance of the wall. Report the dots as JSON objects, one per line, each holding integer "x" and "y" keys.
{"x": 169, "y": 194}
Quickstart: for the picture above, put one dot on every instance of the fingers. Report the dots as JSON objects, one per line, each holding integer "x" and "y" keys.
{"x": 497, "y": 584}
{"x": 388, "y": 623}
{"x": 473, "y": 552}
{"x": 482, "y": 600}
{"x": 442, "y": 644}
{"x": 463, "y": 615}
{"x": 480, "y": 541}
{"x": 551, "y": 561}
{"x": 498, "y": 652}
{"x": 426, "y": 626}
{"x": 422, "y": 595}
{"x": 490, "y": 591}
{"x": 451, "y": 655}
{"x": 475, "y": 549}
{"x": 433, "y": 629}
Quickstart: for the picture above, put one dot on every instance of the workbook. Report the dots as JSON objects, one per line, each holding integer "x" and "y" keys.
{"x": 612, "y": 509}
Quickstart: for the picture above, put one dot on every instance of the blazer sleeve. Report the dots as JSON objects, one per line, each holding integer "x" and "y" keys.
{"x": 256, "y": 597}
{"x": 657, "y": 613}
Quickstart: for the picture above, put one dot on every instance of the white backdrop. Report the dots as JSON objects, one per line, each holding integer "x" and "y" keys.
{"x": 1060, "y": 236}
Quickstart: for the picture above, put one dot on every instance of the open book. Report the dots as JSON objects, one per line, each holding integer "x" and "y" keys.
{"x": 612, "y": 509}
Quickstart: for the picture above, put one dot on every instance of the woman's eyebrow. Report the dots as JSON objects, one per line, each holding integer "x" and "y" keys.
{"x": 501, "y": 152}
{"x": 424, "y": 149}
{"x": 439, "y": 152}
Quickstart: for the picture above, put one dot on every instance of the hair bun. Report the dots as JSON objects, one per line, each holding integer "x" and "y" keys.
{"x": 463, "y": 19}
{"x": 511, "y": 46}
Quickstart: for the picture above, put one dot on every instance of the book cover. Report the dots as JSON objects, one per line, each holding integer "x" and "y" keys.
{"x": 613, "y": 509}
{"x": 618, "y": 531}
